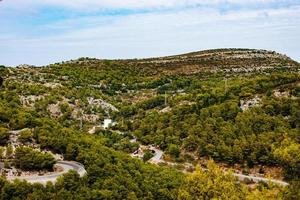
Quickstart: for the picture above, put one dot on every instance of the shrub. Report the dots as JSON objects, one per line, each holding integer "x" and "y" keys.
{"x": 27, "y": 158}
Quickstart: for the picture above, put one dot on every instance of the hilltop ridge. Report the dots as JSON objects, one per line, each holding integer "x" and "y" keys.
{"x": 213, "y": 60}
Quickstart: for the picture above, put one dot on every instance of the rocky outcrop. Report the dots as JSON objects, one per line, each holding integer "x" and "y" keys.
{"x": 99, "y": 102}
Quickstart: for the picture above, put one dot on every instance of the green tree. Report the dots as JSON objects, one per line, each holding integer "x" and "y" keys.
{"x": 26, "y": 136}
{"x": 211, "y": 184}
{"x": 289, "y": 156}
{"x": 147, "y": 155}
{"x": 69, "y": 181}
{"x": 173, "y": 150}
{"x": 29, "y": 159}
{"x": 71, "y": 152}
{"x": 293, "y": 191}
{"x": 4, "y": 136}
{"x": 1, "y": 153}
{"x": 9, "y": 151}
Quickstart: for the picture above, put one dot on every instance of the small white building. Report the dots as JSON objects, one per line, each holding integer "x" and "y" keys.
{"x": 107, "y": 123}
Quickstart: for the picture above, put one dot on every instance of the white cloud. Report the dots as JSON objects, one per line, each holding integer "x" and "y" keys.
{"x": 131, "y": 4}
{"x": 154, "y": 33}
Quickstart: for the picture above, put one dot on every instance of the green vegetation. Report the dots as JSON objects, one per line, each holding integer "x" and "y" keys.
{"x": 214, "y": 125}
{"x": 9, "y": 151}
{"x": 30, "y": 159}
{"x": 215, "y": 184}
{"x": 189, "y": 106}
{"x": 147, "y": 155}
{"x": 4, "y": 136}
{"x": 26, "y": 136}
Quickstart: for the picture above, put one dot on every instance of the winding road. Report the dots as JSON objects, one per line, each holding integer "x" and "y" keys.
{"x": 158, "y": 158}
{"x": 65, "y": 165}
{"x": 242, "y": 177}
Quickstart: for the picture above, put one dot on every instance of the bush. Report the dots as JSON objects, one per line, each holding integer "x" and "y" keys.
{"x": 148, "y": 155}
{"x": 4, "y": 136}
{"x": 25, "y": 136}
{"x": 173, "y": 150}
{"x": 27, "y": 158}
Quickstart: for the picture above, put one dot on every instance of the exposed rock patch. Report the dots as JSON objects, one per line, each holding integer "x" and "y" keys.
{"x": 99, "y": 102}
{"x": 52, "y": 85}
{"x": 30, "y": 100}
{"x": 246, "y": 104}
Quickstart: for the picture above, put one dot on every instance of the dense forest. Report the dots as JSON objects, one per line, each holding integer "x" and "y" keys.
{"x": 214, "y": 109}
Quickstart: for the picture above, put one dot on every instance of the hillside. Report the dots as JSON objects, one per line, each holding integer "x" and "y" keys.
{"x": 237, "y": 60}
{"x": 218, "y": 60}
{"x": 239, "y": 107}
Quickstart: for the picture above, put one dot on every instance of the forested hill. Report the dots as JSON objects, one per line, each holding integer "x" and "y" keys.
{"x": 204, "y": 61}
{"x": 238, "y": 107}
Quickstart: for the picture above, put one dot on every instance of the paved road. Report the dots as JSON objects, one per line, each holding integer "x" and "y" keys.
{"x": 242, "y": 177}
{"x": 65, "y": 165}
{"x": 157, "y": 158}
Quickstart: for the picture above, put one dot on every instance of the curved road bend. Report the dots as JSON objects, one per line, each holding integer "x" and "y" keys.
{"x": 65, "y": 165}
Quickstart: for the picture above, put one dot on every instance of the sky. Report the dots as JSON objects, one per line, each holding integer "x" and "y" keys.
{"x": 40, "y": 32}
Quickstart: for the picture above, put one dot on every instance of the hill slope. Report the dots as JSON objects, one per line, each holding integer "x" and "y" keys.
{"x": 240, "y": 107}
{"x": 206, "y": 61}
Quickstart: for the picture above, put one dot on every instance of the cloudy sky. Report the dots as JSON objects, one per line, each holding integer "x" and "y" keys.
{"x": 40, "y": 32}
